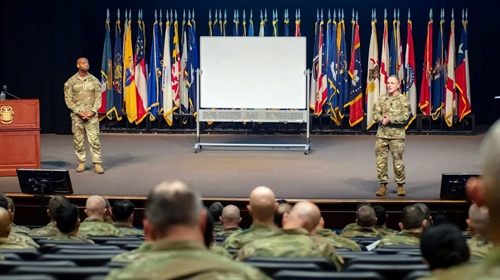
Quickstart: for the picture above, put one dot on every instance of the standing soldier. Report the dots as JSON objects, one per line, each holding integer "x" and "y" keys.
{"x": 82, "y": 93}
{"x": 391, "y": 112}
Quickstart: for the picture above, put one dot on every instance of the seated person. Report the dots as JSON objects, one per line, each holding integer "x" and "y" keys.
{"x": 215, "y": 210}
{"x": 365, "y": 224}
{"x": 352, "y": 225}
{"x": 382, "y": 220}
{"x": 14, "y": 237}
{"x": 5, "y": 228}
{"x": 412, "y": 224}
{"x": 230, "y": 219}
{"x": 336, "y": 240}
{"x": 94, "y": 224}
{"x": 478, "y": 222}
{"x": 283, "y": 207}
{"x": 15, "y": 228}
{"x": 68, "y": 223}
{"x": 50, "y": 229}
{"x": 123, "y": 212}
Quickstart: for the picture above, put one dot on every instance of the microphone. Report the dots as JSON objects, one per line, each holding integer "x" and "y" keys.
{"x": 5, "y": 91}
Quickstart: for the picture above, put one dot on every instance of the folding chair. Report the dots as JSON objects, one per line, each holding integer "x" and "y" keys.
{"x": 325, "y": 275}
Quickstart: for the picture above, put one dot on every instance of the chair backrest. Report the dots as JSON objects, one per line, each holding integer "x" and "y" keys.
{"x": 81, "y": 247}
{"x": 322, "y": 263}
{"x": 130, "y": 247}
{"x": 29, "y": 277}
{"x": 74, "y": 273}
{"x": 80, "y": 259}
{"x": 324, "y": 275}
{"x": 351, "y": 255}
{"x": 389, "y": 271}
{"x": 25, "y": 254}
{"x": 385, "y": 259}
{"x": 90, "y": 252}
{"x": 270, "y": 268}
{"x": 414, "y": 275}
{"x": 54, "y": 247}
{"x": 103, "y": 239}
{"x": 11, "y": 257}
{"x": 122, "y": 243}
{"x": 6, "y": 266}
{"x": 60, "y": 242}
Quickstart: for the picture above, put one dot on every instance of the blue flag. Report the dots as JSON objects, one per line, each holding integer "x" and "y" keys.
{"x": 393, "y": 51}
{"x": 343, "y": 70}
{"x": 117, "y": 75}
{"x": 154, "y": 76}
{"x": 437, "y": 98}
{"x": 192, "y": 65}
{"x": 331, "y": 54}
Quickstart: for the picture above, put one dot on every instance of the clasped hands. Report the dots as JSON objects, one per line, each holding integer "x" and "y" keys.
{"x": 85, "y": 115}
{"x": 386, "y": 120}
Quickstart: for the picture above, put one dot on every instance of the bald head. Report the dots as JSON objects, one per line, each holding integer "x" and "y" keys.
{"x": 478, "y": 220}
{"x": 490, "y": 153}
{"x": 365, "y": 216}
{"x": 4, "y": 223}
{"x": 230, "y": 217}
{"x": 95, "y": 207}
{"x": 262, "y": 204}
{"x": 304, "y": 215}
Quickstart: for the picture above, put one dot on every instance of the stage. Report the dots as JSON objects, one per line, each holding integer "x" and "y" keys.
{"x": 338, "y": 166}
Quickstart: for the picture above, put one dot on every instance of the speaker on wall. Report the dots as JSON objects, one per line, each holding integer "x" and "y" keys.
{"x": 453, "y": 185}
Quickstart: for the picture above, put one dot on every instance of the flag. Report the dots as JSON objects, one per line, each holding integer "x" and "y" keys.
{"x": 192, "y": 65}
{"x": 106, "y": 74}
{"x": 117, "y": 108}
{"x": 250, "y": 26}
{"x": 462, "y": 75}
{"x": 166, "y": 79}
{"x": 439, "y": 78}
{"x": 216, "y": 27}
{"x": 315, "y": 65}
{"x": 321, "y": 90}
{"x": 343, "y": 70}
{"x": 450, "y": 96}
{"x": 275, "y": 24}
{"x": 183, "y": 93}
{"x": 399, "y": 54}
{"x": 372, "y": 76}
{"x": 410, "y": 88}
{"x": 236, "y": 25}
{"x": 384, "y": 60}
{"x": 141, "y": 83}
{"x": 297, "y": 26}
{"x": 356, "y": 94}
{"x": 154, "y": 75}
{"x": 331, "y": 57}
{"x": 262, "y": 31}
{"x": 393, "y": 50}
{"x": 244, "y": 25}
{"x": 425, "y": 89}
{"x": 286, "y": 21}
{"x": 130, "y": 97}
{"x": 176, "y": 65}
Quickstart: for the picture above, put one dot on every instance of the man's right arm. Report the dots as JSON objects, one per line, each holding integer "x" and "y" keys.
{"x": 68, "y": 96}
{"x": 377, "y": 112}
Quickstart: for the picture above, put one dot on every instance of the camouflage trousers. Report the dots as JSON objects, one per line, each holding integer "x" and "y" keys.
{"x": 382, "y": 148}
{"x": 91, "y": 129}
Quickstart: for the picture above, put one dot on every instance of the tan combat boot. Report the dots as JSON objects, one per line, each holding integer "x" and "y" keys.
{"x": 81, "y": 167}
{"x": 401, "y": 190}
{"x": 382, "y": 190}
{"x": 98, "y": 168}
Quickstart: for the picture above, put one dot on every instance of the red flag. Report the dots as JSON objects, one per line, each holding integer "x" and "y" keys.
{"x": 322, "y": 90}
{"x": 356, "y": 95}
{"x": 425, "y": 90}
{"x": 462, "y": 75}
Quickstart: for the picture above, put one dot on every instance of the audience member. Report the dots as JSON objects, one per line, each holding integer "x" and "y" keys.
{"x": 427, "y": 212}
{"x": 354, "y": 225}
{"x": 336, "y": 240}
{"x": 175, "y": 222}
{"x": 283, "y": 207}
{"x": 230, "y": 219}
{"x": 478, "y": 222}
{"x": 108, "y": 215}
{"x": 411, "y": 225}
{"x": 5, "y": 227}
{"x": 382, "y": 220}
{"x": 68, "y": 223}
{"x": 365, "y": 224}
{"x": 14, "y": 227}
{"x": 261, "y": 207}
{"x": 443, "y": 246}
{"x": 215, "y": 210}
{"x": 50, "y": 229}
{"x": 15, "y": 237}
{"x": 94, "y": 224}
{"x": 123, "y": 212}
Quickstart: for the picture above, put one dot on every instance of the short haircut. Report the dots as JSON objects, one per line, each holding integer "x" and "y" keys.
{"x": 12, "y": 207}
{"x": 380, "y": 214}
{"x": 361, "y": 204}
{"x": 66, "y": 217}
{"x": 282, "y": 201}
{"x": 283, "y": 208}
{"x": 4, "y": 203}
{"x": 366, "y": 216}
{"x": 215, "y": 210}
{"x": 444, "y": 246}
{"x": 412, "y": 217}
{"x": 172, "y": 203}
{"x": 122, "y": 209}
{"x": 425, "y": 210}
{"x": 55, "y": 202}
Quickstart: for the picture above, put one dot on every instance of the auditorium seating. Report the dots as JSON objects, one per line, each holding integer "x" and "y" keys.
{"x": 325, "y": 275}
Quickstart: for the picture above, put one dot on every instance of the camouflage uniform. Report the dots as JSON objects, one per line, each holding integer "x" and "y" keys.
{"x": 403, "y": 237}
{"x": 255, "y": 232}
{"x": 218, "y": 227}
{"x": 338, "y": 241}
{"x": 98, "y": 227}
{"x": 359, "y": 231}
{"x": 65, "y": 236}
{"x": 128, "y": 230}
{"x": 295, "y": 243}
{"x": 84, "y": 95}
{"x": 391, "y": 137}
{"x": 384, "y": 230}
{"x": 23, "y": 239}
{"x": 19, "y": 229}
{"x": 349, "y": 227}
{"x": 184, "y": 260}
{"x": 219, "y": 250}
{"x": 8, "y": 243}
{"x": 135, "y": 254}
{"x": 479, "y": 246}
{"x": 487, "y": 268}
{"x": 49, "y": 230}
{"x": 228, "y": 231}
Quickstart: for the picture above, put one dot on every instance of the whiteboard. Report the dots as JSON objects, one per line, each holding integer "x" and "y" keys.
{"x": 253, "y": 72}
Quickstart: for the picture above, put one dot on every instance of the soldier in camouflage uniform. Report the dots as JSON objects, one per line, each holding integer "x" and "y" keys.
{"x": 215, "y": 211}
{"x": 5, "y": 228}
{"x": 230, "y": 220}
{"x": 68, "y": 223}
{"x": 485, "y": 191}
{"x": 50, "y": 229}
{"x": 478, "y": 222}
{"x": 82, "y": 94}
{"x": 262, "y": 206}
{"x": 13, "y": 237}
{"x": 412, "y": 224}
{"x": 123, "y": 212}
{"x": 297, "y": 239}
{"x": 391, "y": 112}
{"x": 94, "y": 224}
{"x": 336, "y": 240}
{"x": 365, "y": 224}
{"x": 381, "y": 221}
{"x": 174, "y": 217}
{"x": 14, "y": 227}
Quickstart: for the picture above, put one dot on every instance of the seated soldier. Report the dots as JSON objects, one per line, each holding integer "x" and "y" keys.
{"x": 478, "y": 222}
{"x": 353, "y": 225}
{"x": 365, "y": 224}
{"x": 336, "y": 240}
{"x": 50, "y": 229}
{"x": 68, "y": 223}
{"x": 382, "y": 220}
{"x": 5, "y": 226}
{"x": 108, "y": 215}
{"x": 230, "y": 219}
{"x": 442, "y": 247}
{"x": 297, "y": 240}
{"x": 427, "y": 212}
{"x": 215, "y": 210}
{"x": 94, "y": 224}
{"x": 412, "y": 224}
{"x": 123, "y": 212}
{"x": 283, "y": 207}
{"x": 15, "y": 228}
{"x": 14, "y": 237}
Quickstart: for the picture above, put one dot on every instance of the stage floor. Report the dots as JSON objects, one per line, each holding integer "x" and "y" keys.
{"x": 337, "y": 167}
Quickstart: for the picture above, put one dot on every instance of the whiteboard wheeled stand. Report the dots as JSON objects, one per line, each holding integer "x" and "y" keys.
{"x": 255, "y": 115}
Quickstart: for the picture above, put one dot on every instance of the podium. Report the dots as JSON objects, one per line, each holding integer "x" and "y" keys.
{"x": 19, "y": 135}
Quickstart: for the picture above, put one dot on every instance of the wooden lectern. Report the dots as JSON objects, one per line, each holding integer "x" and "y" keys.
{"x": 19, "y": 135}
